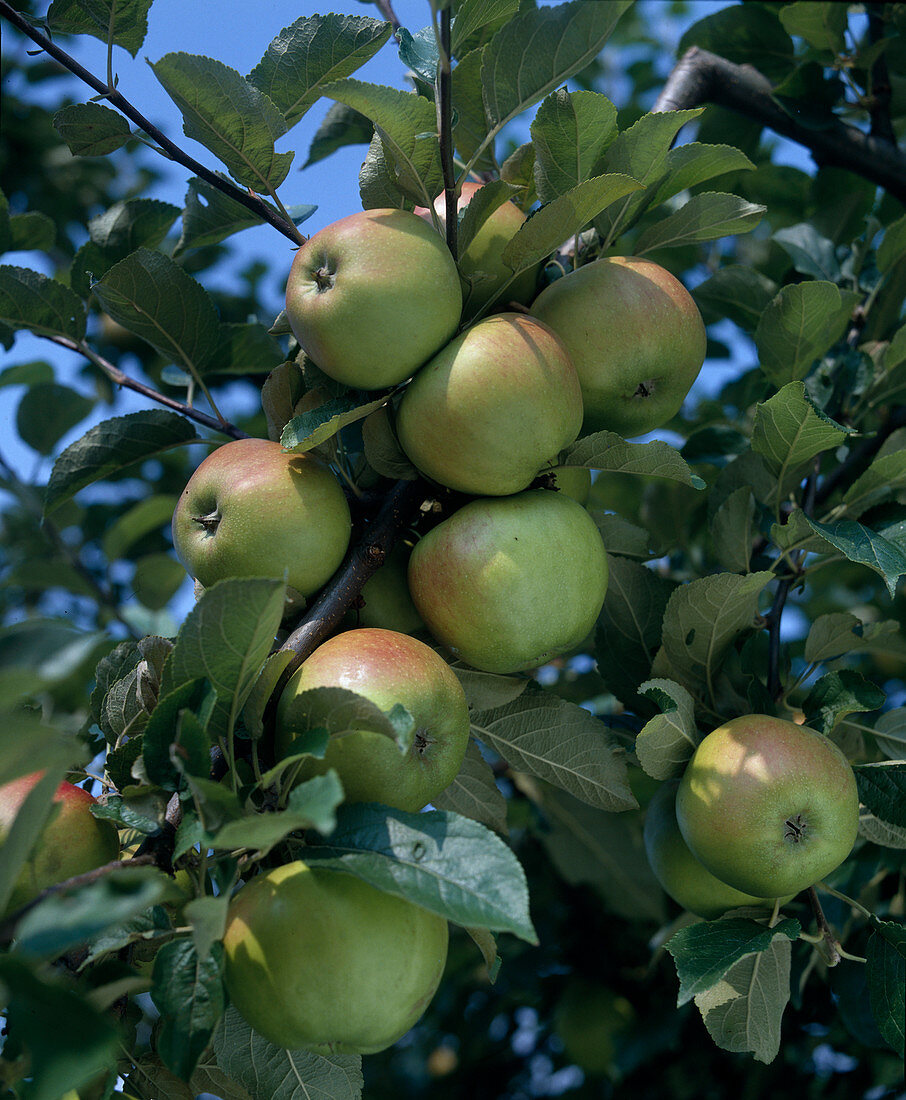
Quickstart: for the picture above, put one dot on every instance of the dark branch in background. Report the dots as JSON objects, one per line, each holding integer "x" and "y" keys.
{"x": 386, "y": 9}
{"x": 830, "y": 940}
{"x": 445, "y": 128}
{"x": 399, "y": 509}
{"x": 119, "y": 379}
{"x": 246, "y": 198}
{"x": 701, "y": 77}
{"x": 879, "y": 89}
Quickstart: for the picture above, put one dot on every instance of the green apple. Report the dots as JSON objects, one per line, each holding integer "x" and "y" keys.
{"x": 385, "y": 599}
{"x": 492, "y": 407}
{"x": 589, "y": 1018}
{"x": 317, "y": 959}
{"x": 685, "y": 879}
{"x": 385, "y": 667}
{"x": 373, "y": 296}
{"x": 71, "y": 842}
{"x": 636, "y": 338}
{"x": 252, "y": 509}
{"x": 508, "y": 583}
{"x": 768, "y": 806}
{"x": 572, "y": 481}
{"x": 480, "y": 263}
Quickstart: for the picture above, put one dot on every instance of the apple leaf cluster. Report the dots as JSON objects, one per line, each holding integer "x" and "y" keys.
{"x": 503, "y": 643}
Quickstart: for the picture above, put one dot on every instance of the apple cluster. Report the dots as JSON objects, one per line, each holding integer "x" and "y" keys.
{"x": 765, "y": 808}
{"x": 513, "y": 576}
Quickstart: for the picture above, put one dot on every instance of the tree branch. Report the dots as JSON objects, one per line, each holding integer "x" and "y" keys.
{"x": 445, "y": 128}
{"x": 701, "y": 77}
{"x": 879, "y": 89}
{"x": 246, "y": 198}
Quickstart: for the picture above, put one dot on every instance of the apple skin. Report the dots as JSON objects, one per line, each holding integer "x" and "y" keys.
{"x": 492, "y": 407}
{"x": 319, "y": 960}
{"x": 386, "y": 601}
{"x": 572, "y": 481}
{"x": 252, "y": 509}
{"x": 684, "y": 878}
{"x": 508, "y": 583}
{"x": 71, "y": 842}
{"x": 635, "y": 336}
{"x": 482, "y": 255}
{"x": 768, "y": 806}
{"x": 386, "y": 667}
{"x": 373, "y": 296}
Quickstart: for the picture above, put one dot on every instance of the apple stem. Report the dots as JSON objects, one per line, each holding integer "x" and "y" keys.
{"x": 444, "y": 95}
{"x": 832, "y": 947}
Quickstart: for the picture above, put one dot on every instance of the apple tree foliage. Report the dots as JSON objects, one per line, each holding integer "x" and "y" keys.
{"x": 755, "y": 546}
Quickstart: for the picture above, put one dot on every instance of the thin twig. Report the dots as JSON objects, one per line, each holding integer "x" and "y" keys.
{"x": 246, "y": 198}
{"x": 701, "y": 77}
{"x": 445, "y": 127}
{"x": 830, "y": 940}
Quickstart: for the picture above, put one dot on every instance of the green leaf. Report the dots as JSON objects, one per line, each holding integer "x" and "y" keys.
{"x": 886, "y": 973}
{"x": 311, "y": 805}
{"x": 378, "y": 185}
{"x": 557, "y": 741}
{"x": 538, "y": 50}
{"x": 313, "y": 52}
{"x": 474, "y": 793}
{"x": 210, "y": 216}
{"x": 693, "y": 163}
{"x": 743, "y": 1012}
{"x": 91, "y": 130}
{"x": 174, "y": 741}
{"x": 407, "y": 126}
{"x": 570, "y": 132}
{"x": 744, "y": 35}
{"x": 112, "y": 446}
{"x": 342, "y": 712}
{"x": 229, "y": 116}
{"x": 789, "y": 431}
{"x": 641, "y": 153}
{"x": 311, "y": 428}
{"x": 803, "y": 322}
{"x": 837, "y": 694}
{"x": 811, "y": 253}
{"x": 69, "y": 1041}
{"x": 226, "y": 638}
{"x": 562, "y": 218}
{"x": 342, "y": 126}
{"x": 473, "y": 15}
{"x": 470, "y": 124}
{"x": 122, "y": 22}
{"x": 188, "y": 992}
{"x": 883, "y": 479}
{"x": 838, "y": 634}
{"x": 822, "y": 25}
{"x": 861, "y": 544}
{"x": 151, "y": 295}
{"x": 32, "y": 231}
{"x": 446, "y": 863}
{"x": 609, "y": 451}
{"x": 27, "y": 744}
{"x": 63, "y": 921}
{"x": 705, "y": 951}
{"x": 604, "y": 850}
{"x": 890, "y": 733}
{"x": 624, "y": 538}
{"x": 629, "y": 627}
{"x": 150, "y": 514}
{"x": 704, "y": 217}
{"x": 29, "y": 300}
{"x": 667, "y": 741}
{"x": 882, "y": 788}
{"x": 49, "y": 411}
{"x": 893, "y": 246}
{"x": 740, "y": 293}
{"x": 733, "y": 530}
{"x": 702, "y": 620}
{"x": 21, "y": 836}
{"x": 278, "y": 1074}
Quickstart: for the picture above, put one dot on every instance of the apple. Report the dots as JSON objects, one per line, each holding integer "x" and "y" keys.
{"x": 317, "y": 959}
{"x": 636, "y": 338}
{"x": 373, "y": 296}
{"x": 572, "y": 481}
{"x": 685, "y": 879}
{"x": 768, "y": 806}
{"x": 480, "y": 262}
{"x": 492, "y": 407}
{"x": 588, "y": 1019}
{"x": 385, "y": 667}
{"x": 71, "y": 842}
{"x": 252, "y": 509}
{"x": 508, "y": 583}
{"x": 385, "y": 598}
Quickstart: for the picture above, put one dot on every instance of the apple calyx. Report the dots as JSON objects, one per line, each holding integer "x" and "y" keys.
{"x": 209, "y": 522}
{"x": 645, "y": 389}
{"x": 324, "y": 278}
{"x": 422, "y": 742}
{"x": 795, "y": 829}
